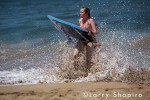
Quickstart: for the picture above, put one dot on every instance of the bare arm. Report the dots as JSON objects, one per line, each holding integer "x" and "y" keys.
{"x": 94, "y": 30}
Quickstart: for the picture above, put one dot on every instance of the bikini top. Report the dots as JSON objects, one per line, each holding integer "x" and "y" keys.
{"x": 86, "y": 25}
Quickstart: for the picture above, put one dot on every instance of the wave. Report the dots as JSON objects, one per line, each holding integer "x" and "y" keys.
{"x": 53, "y": 64}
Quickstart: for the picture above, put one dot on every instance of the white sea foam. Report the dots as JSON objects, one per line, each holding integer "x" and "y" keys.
{"x": 53, "y": 64}
{"x": 30, "y": 76}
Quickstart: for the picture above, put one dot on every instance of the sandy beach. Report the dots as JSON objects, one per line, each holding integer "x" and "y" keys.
{"x": 76, "y": 91}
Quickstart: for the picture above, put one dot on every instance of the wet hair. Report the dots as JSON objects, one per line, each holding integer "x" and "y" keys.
{"x": 87, "y": 10}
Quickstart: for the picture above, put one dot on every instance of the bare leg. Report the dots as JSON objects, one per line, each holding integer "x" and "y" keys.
{"x": 75, "y": 53}
{"x": 89, "y": 50}
{"x": 78, "y": 48}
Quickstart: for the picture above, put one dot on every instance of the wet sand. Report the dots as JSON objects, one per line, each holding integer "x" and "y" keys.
{"x": 77, "y": 91}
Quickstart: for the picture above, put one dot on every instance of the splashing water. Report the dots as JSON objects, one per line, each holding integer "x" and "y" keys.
{"x": 53, "y": 63}
{"x": 110, "y": 63}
